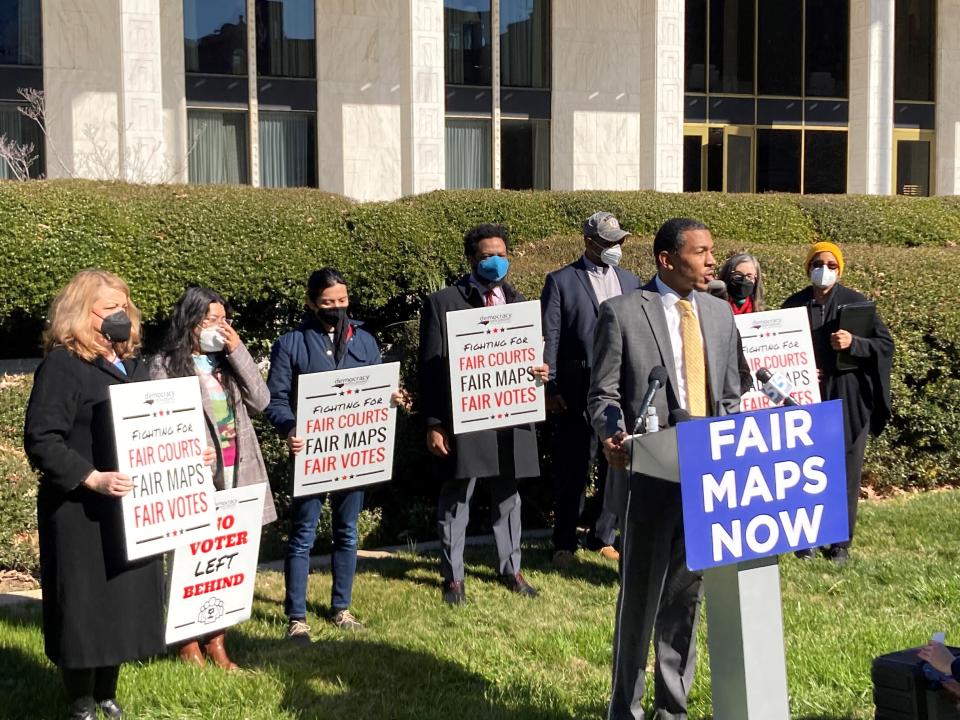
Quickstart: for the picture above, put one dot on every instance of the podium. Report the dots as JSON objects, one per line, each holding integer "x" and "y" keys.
{"x": 748, "y": 671}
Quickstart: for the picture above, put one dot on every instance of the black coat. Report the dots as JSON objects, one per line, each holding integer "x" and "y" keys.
{"x": 475, "y": 454}
{"x": 865, "y": 391}
{"x": 98, "y": 609}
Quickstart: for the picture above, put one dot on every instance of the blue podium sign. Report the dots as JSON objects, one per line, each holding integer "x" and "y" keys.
{"x": 762, "y": 483}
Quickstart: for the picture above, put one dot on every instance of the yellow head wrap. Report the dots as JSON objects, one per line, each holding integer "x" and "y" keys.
{"x": 824, "y": 247}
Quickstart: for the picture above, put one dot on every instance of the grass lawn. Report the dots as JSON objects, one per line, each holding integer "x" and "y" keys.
{"x": 506, "y": 657}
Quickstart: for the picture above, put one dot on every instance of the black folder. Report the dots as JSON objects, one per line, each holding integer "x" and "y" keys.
{"x": 857, "y": 319}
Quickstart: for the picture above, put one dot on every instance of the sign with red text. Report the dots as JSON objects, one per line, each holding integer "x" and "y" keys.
{"x": 779, "y": 340}
{"x": 212, "y": 576}
{"x": 348, "y": 422}
{"x": 493, "y": 351}
{"x": 161, "y": 434}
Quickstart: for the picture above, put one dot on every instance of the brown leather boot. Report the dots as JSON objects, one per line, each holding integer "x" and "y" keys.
{"x": 216, "y": 650}
{"x": 191, "y": 655}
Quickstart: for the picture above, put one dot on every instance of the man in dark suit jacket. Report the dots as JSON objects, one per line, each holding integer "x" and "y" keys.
{"x": 669, "y": 323}
{"x": 501, "y": 455}
{"x": 571, "y": 301}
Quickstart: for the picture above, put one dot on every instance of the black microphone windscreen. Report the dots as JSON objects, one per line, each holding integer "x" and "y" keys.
{"x": 717, "y": 288}
{"x": 678, "y": 415}
{"x": 658, "y": 374}
{"x": 763, "y": 375}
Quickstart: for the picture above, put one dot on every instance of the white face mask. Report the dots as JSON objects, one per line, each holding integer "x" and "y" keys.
{"x": 211, "y": 340}
{"x": 611, "y": 255}
{"x": 823, "y": 277}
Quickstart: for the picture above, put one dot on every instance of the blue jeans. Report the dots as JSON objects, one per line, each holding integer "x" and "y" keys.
{"x": 304, "y": 515}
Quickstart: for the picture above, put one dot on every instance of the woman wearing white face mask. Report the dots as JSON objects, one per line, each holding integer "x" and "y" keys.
{"x": 865, "y": 390}
{"x": 201, "y": 341}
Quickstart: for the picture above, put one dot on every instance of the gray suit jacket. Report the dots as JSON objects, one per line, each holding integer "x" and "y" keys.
{"x": 630, "y": 340}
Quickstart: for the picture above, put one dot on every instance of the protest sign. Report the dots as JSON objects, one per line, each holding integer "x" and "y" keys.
{"x": 161, "y": 435}
{"x": 779, "y": 340}
{"x": 348, "y": 422}
{"x": 213, "y": 576}
{"x": 493, "y": 351}
{"x": 762, "y": 483}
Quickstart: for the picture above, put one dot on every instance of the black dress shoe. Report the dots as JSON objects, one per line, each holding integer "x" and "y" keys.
{"x": 83, "y": 709}
{"x": 518, "y": 584}
{"x": 454, "y": 593}
{"x": 838, "y": 555}
{"x": 805, "y": 554}
{"x": 110, "y": 709}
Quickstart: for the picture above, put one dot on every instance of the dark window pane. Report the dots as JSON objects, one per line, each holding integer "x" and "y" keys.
{"x": 525, "y": 154}
{"x": 695, "y": 46}
{"x": 525, "y": 43}
{"x": 825, "y": 162}
{"x": 913, "y": 167}
{"x": 215, "y": 36}
{"x": 715, "y": 160}
{"x": 467, "y": 27}
{"x": 286, "y": 38}
{"x": 469, "y": 154}
{"x": 778, "y": 161}
{"x": 219, "y": 152}
{"x": 779, "y": 47}
{"x": 827, "y": 35}
{"x": 692, "y": 163}
{"x": 914, "y": 46}
{"x": 731, "y": 46}
{"x": 20, "y": 32}
{"x": 22, "y": 131}
{"x": 288, "y": 149}
{"x": 738, "y": 163}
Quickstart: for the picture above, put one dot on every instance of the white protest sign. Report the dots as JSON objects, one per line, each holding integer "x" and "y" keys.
{"x": 779, "y": 340}
{"x": 212, "y": 578}
{"x": 493, "y": 351}
{"x": 348, "y": 422}
{"x": 161, "y": 434}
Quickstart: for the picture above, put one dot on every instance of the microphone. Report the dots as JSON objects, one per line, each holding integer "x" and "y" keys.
{"x": 717, "y": 288}
{"x": 776, "y": 387}
{"x": 677, "y": 416}
{"x": 657, "y": 379}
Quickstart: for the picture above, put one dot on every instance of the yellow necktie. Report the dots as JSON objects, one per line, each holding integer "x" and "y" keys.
{"x": 695, "y": 371}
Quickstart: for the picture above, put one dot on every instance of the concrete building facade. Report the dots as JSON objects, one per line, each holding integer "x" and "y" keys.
{"x": 375, "y": 99}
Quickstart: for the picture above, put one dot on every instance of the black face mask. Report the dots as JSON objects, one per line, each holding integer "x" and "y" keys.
{"x": 331, "y": 317}
{"x": 740, "y": 288}
{"x": 116, "y": 327}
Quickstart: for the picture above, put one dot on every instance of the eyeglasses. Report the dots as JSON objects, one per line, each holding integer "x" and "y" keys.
{"x": 821, "y": 263}
{"x": 736, "y": 276}
{"x": 210, "y": 321}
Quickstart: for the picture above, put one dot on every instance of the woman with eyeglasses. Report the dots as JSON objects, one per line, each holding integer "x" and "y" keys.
{"x": 201, "y": 341}
{"x": 741, "y": 275}
{"x": 865, "y": 389}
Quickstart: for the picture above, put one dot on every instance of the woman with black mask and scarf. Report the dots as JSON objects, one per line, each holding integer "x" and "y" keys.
{"x": 741, "y": 275}
{"x": 327, "y": 339}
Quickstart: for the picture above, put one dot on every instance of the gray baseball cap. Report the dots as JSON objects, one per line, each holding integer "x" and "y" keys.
{"x": 604, "y": 226}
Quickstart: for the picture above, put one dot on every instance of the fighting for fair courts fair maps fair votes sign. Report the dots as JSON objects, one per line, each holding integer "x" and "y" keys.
{"x": 348, "y": 423}
{"x": 212, "y": 578}
{"x": 492, "y": 352}
{"x": 762, "y": 483}
{"x": 161, "y": 434}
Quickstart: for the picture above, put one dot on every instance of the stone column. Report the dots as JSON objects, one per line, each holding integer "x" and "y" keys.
{"x": 947, "y": 95}
{"x": 870, "y": 136}
{"x": 253, "y": 115}
{"x": 422, "y": 116}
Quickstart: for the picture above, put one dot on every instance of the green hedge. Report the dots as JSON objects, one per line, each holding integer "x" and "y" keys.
{"x": 258, "y": 246}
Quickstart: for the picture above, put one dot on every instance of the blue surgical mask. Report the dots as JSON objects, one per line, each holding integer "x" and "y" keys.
{"x": 493, "y": 269}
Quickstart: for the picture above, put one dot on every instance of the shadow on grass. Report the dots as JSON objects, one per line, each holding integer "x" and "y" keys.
{"x": 30, "y": 687}
{"x": 355, "y": 678}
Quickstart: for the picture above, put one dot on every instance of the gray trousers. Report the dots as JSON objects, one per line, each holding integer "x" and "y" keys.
{"x": 659, "y": 600}
{"x": 453, "y": 514}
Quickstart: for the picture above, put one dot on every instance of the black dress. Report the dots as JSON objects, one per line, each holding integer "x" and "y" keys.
{"x": 865, "y": 390}
{"x": 98, "y": 609}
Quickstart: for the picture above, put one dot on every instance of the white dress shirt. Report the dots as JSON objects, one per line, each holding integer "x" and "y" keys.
{"x": 604, "y": 280}
{"x": 669, "y": 298}
{"x": 498, "y": 297}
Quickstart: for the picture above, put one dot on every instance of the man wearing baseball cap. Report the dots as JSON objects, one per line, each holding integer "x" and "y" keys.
{"x": 571, "y": 301}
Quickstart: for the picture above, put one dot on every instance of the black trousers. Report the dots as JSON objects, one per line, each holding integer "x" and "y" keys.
{"x": 97, "y": 683}
{"x": 575, "y": 449}
{"x": 854, "y": 465}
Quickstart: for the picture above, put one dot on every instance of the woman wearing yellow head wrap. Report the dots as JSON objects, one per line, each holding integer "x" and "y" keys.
{"x": 865, "y": 390}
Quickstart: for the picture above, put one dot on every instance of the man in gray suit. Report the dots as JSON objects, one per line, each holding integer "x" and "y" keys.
{"x": 670, "y": 322}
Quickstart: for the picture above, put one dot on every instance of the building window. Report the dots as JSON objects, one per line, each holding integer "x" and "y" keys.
{"x": 288, "y": 149}
{"x": 522, "y": 88}
{"x": 779, "y": 47}
{"x": 22, "y": 130}
{"x": 20, "y": 33}
{"x": 824, "y": 162}
{"x": 286, "y": 38}
{"x": 219, "y": 153}
{"x": 731, "y": 46}
{"x": 778, "y": 161}
{"x": 914, "y": 43}
{"x": 827, "y": 33}
{"x": 215, "y": 36}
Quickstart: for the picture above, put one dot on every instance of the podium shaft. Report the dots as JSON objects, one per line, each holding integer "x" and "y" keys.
{"x": 745, "y": 635}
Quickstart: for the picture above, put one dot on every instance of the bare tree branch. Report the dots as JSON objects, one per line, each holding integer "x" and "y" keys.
{"x": 18, "y": 156}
